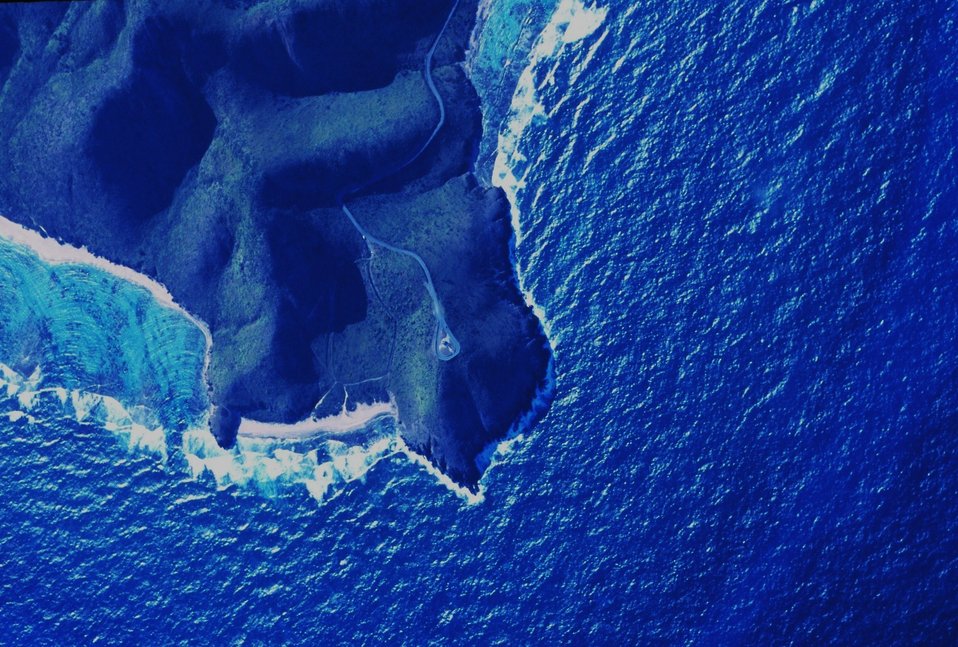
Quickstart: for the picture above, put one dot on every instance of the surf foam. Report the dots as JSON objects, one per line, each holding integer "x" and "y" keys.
{"x": 27, "y": 397}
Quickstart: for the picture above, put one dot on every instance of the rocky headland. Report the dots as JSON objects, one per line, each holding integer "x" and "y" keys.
{"x": 212, "y": 146}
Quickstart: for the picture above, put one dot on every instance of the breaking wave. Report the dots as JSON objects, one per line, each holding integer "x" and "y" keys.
{"x": 570, "y": 22}
{"x": 85, "y": 339}
{"x": 79, "y": 342}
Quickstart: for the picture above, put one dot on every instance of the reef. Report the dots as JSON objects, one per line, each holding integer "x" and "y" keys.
{"x": 209, "y": 145}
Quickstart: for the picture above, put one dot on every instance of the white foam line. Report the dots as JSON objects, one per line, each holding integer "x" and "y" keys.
{"x": 579, "y": 20}
{"x": 56, "y": 252}
{"x": 467, "y": 495}
{"x": 109, "y": 413}
{"x": 572, "y": 21}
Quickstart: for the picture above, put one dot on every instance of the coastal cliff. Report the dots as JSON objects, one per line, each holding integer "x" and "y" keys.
{"x": 208, "y": 145}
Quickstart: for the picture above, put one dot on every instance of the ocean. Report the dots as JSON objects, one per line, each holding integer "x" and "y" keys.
{"x": 738, "y": 223}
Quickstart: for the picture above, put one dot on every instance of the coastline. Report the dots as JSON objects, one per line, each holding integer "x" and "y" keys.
{"x": 489, "y": 172}
{"x": 56, "y": 252}
{"x": 476, "y": 404}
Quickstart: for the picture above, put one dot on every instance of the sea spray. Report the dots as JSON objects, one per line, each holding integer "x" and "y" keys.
{"x": 87, "y": 340}
{"x": 127, "y": 382}
{"x": 571, "y": 22}
{"x": 324, "y": 467}
{"x": 23, "y": 397}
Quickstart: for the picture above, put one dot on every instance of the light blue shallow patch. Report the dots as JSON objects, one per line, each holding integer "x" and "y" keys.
{"x": 82, "y": 345}
{"x": 89, "y": 331}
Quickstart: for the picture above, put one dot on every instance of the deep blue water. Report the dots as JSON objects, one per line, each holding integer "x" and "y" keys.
{"x": 740, "y": 224}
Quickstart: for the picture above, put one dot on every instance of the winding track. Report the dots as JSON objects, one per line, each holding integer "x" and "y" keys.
{"x": 445, "y": 343}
